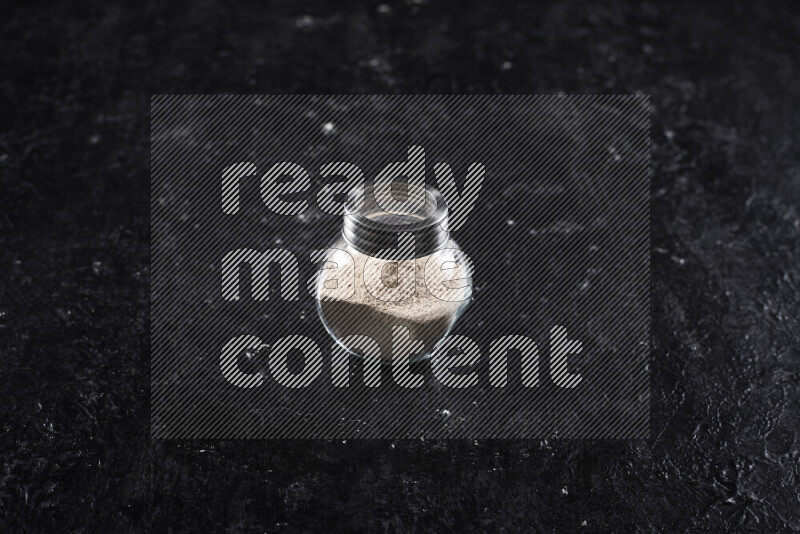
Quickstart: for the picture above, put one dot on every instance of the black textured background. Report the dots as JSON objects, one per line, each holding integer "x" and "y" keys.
{"x": 75, "y": 84}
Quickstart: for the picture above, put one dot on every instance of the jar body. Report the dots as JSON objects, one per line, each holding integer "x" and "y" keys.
{"x": 362, "y": 295}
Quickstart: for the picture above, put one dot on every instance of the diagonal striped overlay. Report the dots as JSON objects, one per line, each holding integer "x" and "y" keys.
{"x": 555, "y": 342}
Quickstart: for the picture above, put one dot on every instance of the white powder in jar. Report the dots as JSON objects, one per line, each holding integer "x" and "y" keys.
{"x": 361, "y": 299}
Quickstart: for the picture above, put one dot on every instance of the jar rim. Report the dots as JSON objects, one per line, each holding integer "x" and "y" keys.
{"x": 371, "y": 214}
{"x": 371, "y": 229}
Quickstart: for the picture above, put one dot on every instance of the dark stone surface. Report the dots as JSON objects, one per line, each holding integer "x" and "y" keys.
{"x": 724, "y": 450}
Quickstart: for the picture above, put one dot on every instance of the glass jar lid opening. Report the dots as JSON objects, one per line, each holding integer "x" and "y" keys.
{"x": 375, "y": 218}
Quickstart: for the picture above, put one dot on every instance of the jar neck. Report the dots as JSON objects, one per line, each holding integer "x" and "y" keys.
{"x": 373, "y": 231}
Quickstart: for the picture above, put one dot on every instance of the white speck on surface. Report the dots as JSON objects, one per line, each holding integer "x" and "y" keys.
{"x": 506, "y": 65}
{"x": 384, "y": 9}
{"x": 510, "y": 222}
{"x": 564, "y": 491}
{"x": 305, "y": 21}
{"x": 446, "y": 413}
{"x": 3, "y": 157}
{"x": 97, "y": 267}
{"x": 94, "y": 139}
{"x": 328, "y": 128}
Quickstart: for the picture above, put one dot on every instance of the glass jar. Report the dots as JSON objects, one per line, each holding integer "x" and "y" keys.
{"x": 392, "y": 274}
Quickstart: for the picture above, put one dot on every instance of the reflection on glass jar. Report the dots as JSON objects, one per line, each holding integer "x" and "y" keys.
{"x": 393, "y": 267}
